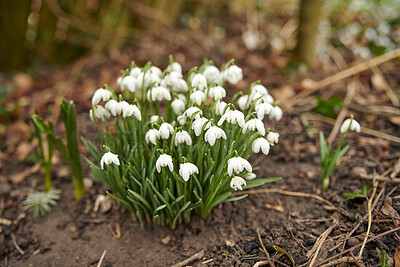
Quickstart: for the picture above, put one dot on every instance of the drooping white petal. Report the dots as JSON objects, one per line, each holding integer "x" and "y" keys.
{"x": 109, "y": 158}
{"x": 350, "y": 124}
{"x": 237, "y": 182}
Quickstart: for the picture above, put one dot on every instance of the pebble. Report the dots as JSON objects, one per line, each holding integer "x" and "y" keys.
{"x": 5, "y": 188}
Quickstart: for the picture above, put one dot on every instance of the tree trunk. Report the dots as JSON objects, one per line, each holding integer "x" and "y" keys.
{"x": 310, "y": 15}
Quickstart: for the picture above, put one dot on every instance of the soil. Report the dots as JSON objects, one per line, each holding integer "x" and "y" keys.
{"x": 74, "y": 235}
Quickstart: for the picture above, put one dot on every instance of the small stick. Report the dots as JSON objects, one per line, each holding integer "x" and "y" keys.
{"x": 16, "y": 245}
{"x": 355, "y": 259}
{"x": 271, "y": 263}
{"x": 283, "y": 192}
{"x": 358, "y": 245}
{"x": 320, "y": 241}
{"x": 345, "y": 74}
{"x": 339, "y": 261}
{"x": 117, "y": 233}
{"x": 369, "y": 221}
{"x": 388, "y": 90}
{"x": 192, "y": 258}
{"x": 102, "y": 258}
{"x": 396, "y": 169}
{"x": 378, "y": 178}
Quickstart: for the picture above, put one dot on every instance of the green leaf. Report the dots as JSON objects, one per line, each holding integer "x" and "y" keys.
{"x": 231, "y": 199}
{"x": 280, "y": 250}
{"x": 360, "y": 194}
{"x": 383, "y": 258}
{"x": 328, "y": 107}
{"x": 260, "y": 181}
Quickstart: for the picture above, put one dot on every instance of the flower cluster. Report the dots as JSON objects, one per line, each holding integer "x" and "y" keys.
{"x": 178, "y": 147}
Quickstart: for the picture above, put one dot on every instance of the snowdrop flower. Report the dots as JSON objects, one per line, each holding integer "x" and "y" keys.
{"x": 220, "y": 107}
{"x": 187, "y": 169}
{"x": 213, "y": 134}
{"x": 212, "y": 74}
{"x": 129, "y": 110}
{"x": 198, "y": 97}
{"x": 109, "y": 158}
{"x": 350, "y": 124}
{"x": 165, "y": 130}
{"x": 175, "y": 66}
{"x": 276, "y": 113}
{"x": 114, "y": 107}
{"x": 262, "y": 109}
{"x": 249, "y": 176}
{"x": 198, "y": 125}
{"x": 199, "y": 82}
{"x": 155, "y": 70}
{"x": 244, "y": 102}
{"x": 256, "y": 97}
{"x": 178, "y": 106}
{"x": 129, "y": 83}
{"x": 164, "y": 160}
{"x": 182, "y": 137}
{"x": 158, "y": 93}
{"x": 259, "y": 88}
{"x": 101, "y": 94}
{"x": 152, "y": 136}
{"x": 135, "y": 72}
{"x": 217, "y": 92}
{"x": 261, "y": 144}
{"x": 237, "y": 165}
{"x": 192, "y": 110}
{"x": 273, "y": 138}
{"x": 237, "y": 182}
{"x": 171, "y": 79}
{"x": 253, "y": 124}
{"x": 181, "y": 119}
{"x": 233, "y": 74}
{"x": 181, "y": 86}
{"x": 154, "y": 119}
{"x": 119, "y": 80}
{"x": 234, "y": 117}
{"x": 145, "y": 79}
{"x": 267, "y": 99}
{"x": 99, "y": 113}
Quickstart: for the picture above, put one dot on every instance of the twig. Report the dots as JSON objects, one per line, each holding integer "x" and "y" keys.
{"x": 339, "y": 261}
{"x": 16, "y": 245}
{"x": 355, "y": 259}
{"x": 117, "y": 233}
{"x": 365, "y": 130}
{"x": 378, "y": 178}
{"x": 358, "y": 245}
{"x": 283, "y": 192}
{"x": 320, "y": 241}
{"x": 194, "y": 257}
{"x": 388, "y": 90}
{"x": 102, "y": 258}
{"x": 271, "y": 263}
{"x": 369, "y": 220}
{"x": 344, "y": 74}
{"x": 395, "y": 172}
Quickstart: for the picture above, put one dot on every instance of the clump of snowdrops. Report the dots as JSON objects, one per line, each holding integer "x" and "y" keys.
{"x": 177, "y": 147}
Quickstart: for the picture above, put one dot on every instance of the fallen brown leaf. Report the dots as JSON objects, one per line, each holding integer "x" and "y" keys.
{"x": 394, "y": 119}
{"x": 23, "y": 150}
{"x": 20, "y": 176}
{"x": 396, "y": 258}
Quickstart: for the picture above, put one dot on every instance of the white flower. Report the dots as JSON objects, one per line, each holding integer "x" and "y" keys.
{"x": 129, "y": 83}
{"x": 147, "y": 78}
{"x": 182, "y": 137}
{"x": 152, "y": 136}
{"x": 101, "y": 94}
{"x": 175, "y": 66}
{"x": 181, "y": 119}
{"x": 267, "y": 99}
{"x": 181, "y": 86}
{"x": 187, "y": 169}
{"x": 191, "y": 111}
{"x": 198, "y": 97}
{"x": 237, "y": 165}
{"x": 261, "y": 144}
{"x": 350, "y": 124}
{"x": 99, "y": 113}
{"x": 199, "y": 82}
{"x": 129, "y": 110}
{"x": 135, "y": 72}
{"x": 273, "y": 138}
{"x": 172, "y": 79}
{"x": 244, "y": 102}
{"x": 155, "y": 70}
{"x": 220, "y": 107}
{"x": 213, "y": 134}
{"x": 178, "y": 106}
{"x": 212, "y": 74}
{"x": 217, "y": 92}
{"x": 114, "y": 107}
{"x": 158, "y": 93}
{"x": 262, "y": 109}
{"x": 164, "y": 160}
{"x": 276, "y": 113}
{"x": 249, "y": 176}
{"x": 119, "y": 80}
{"x": 165, "y": 130}
{"x": 198, "y": 125}
{"x": 109, "y": 158}
{"x": 233, "y": 74}
{"x": 259, "y": 88}
{"x": 234, "y": 117}
{"x": 237, "y": 182}
{"x": 154, "y": 119}
{"x": 253, "y": 124}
